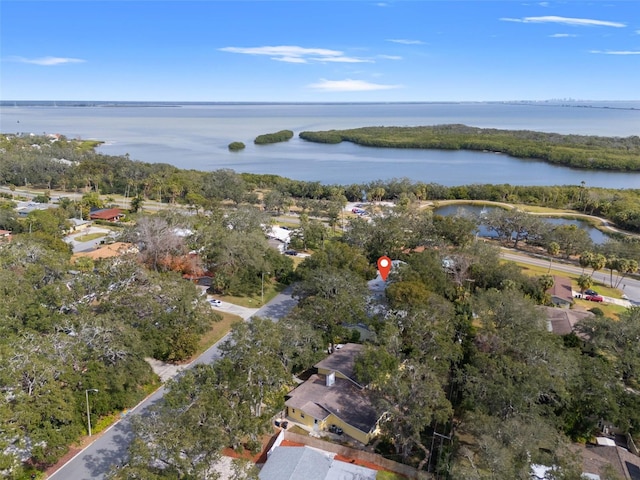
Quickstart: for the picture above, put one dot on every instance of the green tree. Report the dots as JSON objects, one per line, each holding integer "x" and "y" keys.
{"x": 584, "y": 282}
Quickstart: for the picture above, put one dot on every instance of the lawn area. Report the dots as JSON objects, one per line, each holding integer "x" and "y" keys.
{"x": 88, "y": 237}
{"x": 254, "y": 301}
{"x": 218, "y": 330}
{"x": 609, "y": 310}
{"x": 384, "y": 475}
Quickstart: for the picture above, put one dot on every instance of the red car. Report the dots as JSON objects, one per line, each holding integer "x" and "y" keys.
{"x": 594, "y": 298}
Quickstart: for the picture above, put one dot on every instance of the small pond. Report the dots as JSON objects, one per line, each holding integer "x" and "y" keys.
{"x": 597, "y": 237}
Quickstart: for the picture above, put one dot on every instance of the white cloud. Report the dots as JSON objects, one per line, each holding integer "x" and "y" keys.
{"x": 544, "y": 4}
{"x": 296, "y": 54}
{"x": 349, "y": 85}
{"x": 637, "y": 32}
{"x": 616, "y": 52}
{"x": 562, "y": 35}
{"x": 47, "y": 61}
{"x": 405, "y": 41}
{"x": 390, "y": 57}
{"x": 584, "y": 22}
{"x": 342, "y": 60}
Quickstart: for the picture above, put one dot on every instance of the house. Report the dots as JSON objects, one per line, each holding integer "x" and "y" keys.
{"x": 562, "y": 321}
{"x": 306, "y": 463}
{"x": 561, "y": 293}
{"x": 25, "y": 208}
{"x": 5, "y": 235}
{"x": 333, "y": 397}
{"x": 116, "y": 249}
{"x": 342, "y": 361}
{"x": 78, "y": 224}
{"x": 600, "y": 460}
{"x": 107, "y": 214}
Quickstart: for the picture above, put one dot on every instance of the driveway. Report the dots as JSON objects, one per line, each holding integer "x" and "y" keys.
{"x": 86, "y": 246}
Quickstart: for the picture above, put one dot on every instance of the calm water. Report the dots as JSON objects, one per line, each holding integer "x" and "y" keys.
{"x": 596, "y": 235}
{"x": 196, "y": 137}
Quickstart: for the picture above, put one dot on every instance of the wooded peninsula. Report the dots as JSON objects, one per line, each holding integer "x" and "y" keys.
{"x": 576, "y": 151}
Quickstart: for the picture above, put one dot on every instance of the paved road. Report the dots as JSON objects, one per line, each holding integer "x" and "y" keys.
{"x": 631, "y": 286}
{"x": 112, "y": 445}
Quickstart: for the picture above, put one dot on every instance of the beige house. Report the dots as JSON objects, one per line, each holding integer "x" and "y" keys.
{"x": 333, "y": 397}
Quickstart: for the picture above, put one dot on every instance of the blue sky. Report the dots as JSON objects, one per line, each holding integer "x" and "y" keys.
{"x": 319, "y": 51}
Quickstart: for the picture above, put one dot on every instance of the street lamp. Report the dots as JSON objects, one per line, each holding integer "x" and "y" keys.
{"x": 86, "y": 393}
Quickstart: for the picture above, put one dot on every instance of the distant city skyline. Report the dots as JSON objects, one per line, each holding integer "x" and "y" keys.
{"x": 319, "y": 51}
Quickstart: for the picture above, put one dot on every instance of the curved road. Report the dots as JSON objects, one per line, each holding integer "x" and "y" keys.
{"x": 112, "y": 446}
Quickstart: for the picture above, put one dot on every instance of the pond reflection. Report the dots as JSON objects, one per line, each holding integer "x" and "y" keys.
{"x": 597, "y": 237}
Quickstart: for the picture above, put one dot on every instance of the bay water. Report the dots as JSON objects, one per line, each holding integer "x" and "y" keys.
{"x": 196, "y": 136}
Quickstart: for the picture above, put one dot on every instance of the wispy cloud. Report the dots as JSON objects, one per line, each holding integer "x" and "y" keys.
{"x": 637, "y": 32}
{"x": 47, "y": 61}
{"x": 544, "y": 4}
{"x": 582, "y": 22}
{"x": 349, "y": 85}
{"x": 562, "y": 35}
{"x": 296, "y": 54}
{"x": 405, "y": 41}
{"x": 616, "y": 52}
{"x": 390, "y": 57}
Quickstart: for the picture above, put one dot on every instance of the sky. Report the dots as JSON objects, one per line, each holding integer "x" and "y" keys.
{"x": 319, "y": 51}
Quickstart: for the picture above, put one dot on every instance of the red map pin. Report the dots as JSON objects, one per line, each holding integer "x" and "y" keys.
{"x": 384, "y": 267}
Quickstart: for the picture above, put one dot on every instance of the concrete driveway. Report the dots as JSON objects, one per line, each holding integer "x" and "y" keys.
{"x": 86, "y": 246}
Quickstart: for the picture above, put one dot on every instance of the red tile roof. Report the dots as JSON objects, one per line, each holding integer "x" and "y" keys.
{"x": 106, "y": 214}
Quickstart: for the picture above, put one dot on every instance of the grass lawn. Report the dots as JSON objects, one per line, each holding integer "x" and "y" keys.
{"x": 384, "y": 475}
{"x": 88, "y": 237}
{"x": 218, "y": 330}
{"x": 609, "y": 310}
{"x": 254, "y": 301}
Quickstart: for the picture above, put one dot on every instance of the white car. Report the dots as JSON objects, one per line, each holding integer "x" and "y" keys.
{"x": 215, "y": 303}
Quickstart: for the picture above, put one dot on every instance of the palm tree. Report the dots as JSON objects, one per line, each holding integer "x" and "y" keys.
{"x": 553, "y": 249}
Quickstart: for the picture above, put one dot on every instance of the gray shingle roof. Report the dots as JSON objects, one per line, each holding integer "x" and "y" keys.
{"x": 342, "y": 360}
{"x": 306, "y": 463}
{"x": 343, "y": 399}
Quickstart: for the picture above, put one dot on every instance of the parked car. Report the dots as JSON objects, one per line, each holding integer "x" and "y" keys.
{"x": 293, "y": 253}
{"x": 594, "y": 298}
{"x": 335, "y": 429}
{"x": 215, "y": 303}
{"x": 588, "y": 291}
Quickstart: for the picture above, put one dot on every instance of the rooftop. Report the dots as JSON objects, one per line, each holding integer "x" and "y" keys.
{"x": 343, "y": 399}
{"x": 561, "y": 288}
{"x": 306, "y": 463}
{"x": 342, "y": 359}
{"x": 562, "y": 320}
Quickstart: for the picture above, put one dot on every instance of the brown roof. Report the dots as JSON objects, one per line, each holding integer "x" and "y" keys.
{"x": 342, "y": 359}
{"x": 563, "y": 320}
{"x": 343, "y": 399}
{"x": 562, "y": 288}
{"x": 5, "y": 232}
{"x": 106, "y": 214}
{"x": 107, "y": 251}
{"x": 596, "y": 458}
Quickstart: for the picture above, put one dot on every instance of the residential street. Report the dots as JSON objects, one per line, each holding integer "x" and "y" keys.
{"x": 631, "y": 286}
{"x": 111, "y": 446}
